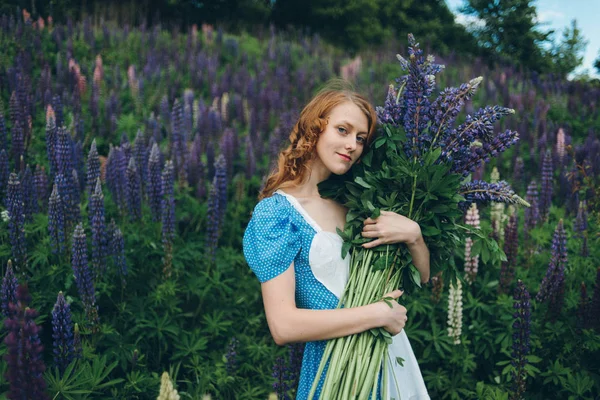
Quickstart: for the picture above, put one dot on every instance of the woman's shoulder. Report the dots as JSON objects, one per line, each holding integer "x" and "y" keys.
{"x": 272, "y": 205}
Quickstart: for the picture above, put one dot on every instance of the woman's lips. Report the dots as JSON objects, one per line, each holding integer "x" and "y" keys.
{"x": 344, "y": 157}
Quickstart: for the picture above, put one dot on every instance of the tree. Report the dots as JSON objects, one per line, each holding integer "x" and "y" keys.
{"x": 509, "y": 32}
{"x": 597, "y": 64}
{"x": 568, "y": 54}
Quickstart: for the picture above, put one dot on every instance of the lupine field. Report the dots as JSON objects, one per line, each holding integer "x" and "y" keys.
{"x": 130, "y": 162}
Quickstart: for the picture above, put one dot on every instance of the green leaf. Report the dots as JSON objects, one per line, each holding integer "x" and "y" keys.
{"x": 362, "y": 182}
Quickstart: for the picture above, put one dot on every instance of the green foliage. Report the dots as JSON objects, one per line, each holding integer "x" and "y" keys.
{"x": 509, "y": 32}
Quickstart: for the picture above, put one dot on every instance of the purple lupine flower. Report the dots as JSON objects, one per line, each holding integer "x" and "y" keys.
{"x": 64, "y": 191}
{"x": 79, "y": 166}
{"x": 547, "y": 186}
{"x": 213, "y": 222}
{"x": 296, "y": 352}
{"x": 552, "y": 286}
{"x": 480, "y": 192}
{"x": 532, "y": 213}
{"x": 51, "y": 139}
{"x": 64, "y": 152}
{"x": 56, "y": 221}
{"x": 83, "y": 275}
{"x": 4, "y": 173}
{"x": 62, "y": 333}
{"x": 221, "y": 184}
{"x": 231, "y": 356}
{"x": 511, "y": 247}
{"x": 456, "y": 144}
{"x": 16, "y": 221}
{"x": 165, "y": 114}
{"x": 118, "y": 251}
{"x": 116, "y": 177}
{"x": 487, "y": 150}
{"x": 98, "y": 226}
{"x": 195, "y": 161}
{"x": 581, "y": 224}
{"x": 15, "y": 109}
{"x": 134, "y": 201}
{"x": 178, "y": 149}
{"x": 9, "y": 289}
{"x": 281, "y": 378}
{"x": 392, "y": 111}
{"x": 228, "y": 150}
{"x": 58, "y": 109}
{"x": 40, "y": 180}
{"x": 594, "y": 307}
{"x": 24, "y": 356}
{"x": 2, "y": 132}
{"x": 446, "y": 107}
{"x": 18, "y": 142}
{"x": 140, "y": 153}
{"x": 75, "y": 197}
{"x": 77, "y": 345}
{"x": 521, "y": 334}
{"x": 250, "y": 159}
{"x": 518, "y": 171}
{"x": 168, "y": 216}
{"x": 154, "y": 183}
{"x": 29, "y": 193}
{"x": 93, "y": 169}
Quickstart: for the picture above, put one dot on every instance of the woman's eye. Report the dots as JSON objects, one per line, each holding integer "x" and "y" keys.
{"x": 341, "y": 130}
{"x": 361, "y": 139}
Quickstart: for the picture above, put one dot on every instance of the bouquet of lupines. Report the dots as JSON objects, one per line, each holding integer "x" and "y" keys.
{"x": 419, "y": 166}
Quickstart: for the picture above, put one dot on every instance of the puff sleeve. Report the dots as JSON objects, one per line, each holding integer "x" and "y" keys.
{"x": 271, "y": 240}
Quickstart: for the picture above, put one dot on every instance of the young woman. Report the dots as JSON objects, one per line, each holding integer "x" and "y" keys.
{"x": 292, "y": 246}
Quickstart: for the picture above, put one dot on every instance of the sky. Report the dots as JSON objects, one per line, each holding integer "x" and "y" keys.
{"x": 557, "y": 15}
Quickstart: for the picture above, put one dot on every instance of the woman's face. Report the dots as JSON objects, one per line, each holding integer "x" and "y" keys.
{"x": 343, "y": 140}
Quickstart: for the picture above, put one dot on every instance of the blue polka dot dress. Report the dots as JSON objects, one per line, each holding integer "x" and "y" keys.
{"x": 281, "y": 231}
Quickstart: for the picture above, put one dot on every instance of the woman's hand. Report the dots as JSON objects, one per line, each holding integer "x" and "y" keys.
{"x": 393, "y": 319}
{"x": 390, "y": 228}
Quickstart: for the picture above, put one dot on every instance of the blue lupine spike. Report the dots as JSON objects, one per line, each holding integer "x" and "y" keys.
{"x": 547, "y": 185}
{"x": 213, "y": 222}
{"x": 93, "y": 168}
{"x": 231, "y": 356}
{"x": 24, "y": 351}
{"x": 51, "y": 139}
{"x": 98, "y": 226}
{"x": 140, "y": 153}
{"x": 75, "y": 197}
{"x": 56, "y": 221}
{"x": 18, "y": 142}
{"x": 553, "y": 284}
{"x": 134, "y": 201}
{"x": 118, "y": 251}
{"x": 4, "y": 173}
{"x": 168, "y": 216}
{"x": 481, "y": 192}
{"x": 221, "y": 184}
{"x": 84, "y": 278}
{"x": 8, "y": 292}
{"x": 41, "y": 183}
{"x": 511, "y": 246}
{"x": 154, "y": 182}
{"x": 16, "y": 221}
{"x": 168, "y": 203}
{"x": 532, "y": 213}
{"x": 62, "y": 333}
{"x": 3, "y": 133}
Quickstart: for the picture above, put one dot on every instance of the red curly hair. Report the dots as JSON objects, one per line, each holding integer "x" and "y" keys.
{"x": 292, "y": 167}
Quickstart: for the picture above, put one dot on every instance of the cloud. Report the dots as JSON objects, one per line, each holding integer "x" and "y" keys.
{"x": 549, "y": 15}
{"x": 469, "y": 20}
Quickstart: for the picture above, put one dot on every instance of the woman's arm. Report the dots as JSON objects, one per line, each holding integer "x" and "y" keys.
{"x": 391, "y": 227}
{"x": 290, "y": 324}
{"x": 420, "y": 257}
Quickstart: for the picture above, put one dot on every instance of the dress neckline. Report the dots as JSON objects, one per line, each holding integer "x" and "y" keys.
{"x": 296, "y": 204}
